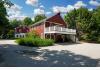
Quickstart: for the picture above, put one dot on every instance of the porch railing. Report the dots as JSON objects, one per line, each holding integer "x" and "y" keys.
{"x": 59, "y": 29}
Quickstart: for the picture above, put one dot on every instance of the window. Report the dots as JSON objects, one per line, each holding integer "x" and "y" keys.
{"x": 16, "y": 36}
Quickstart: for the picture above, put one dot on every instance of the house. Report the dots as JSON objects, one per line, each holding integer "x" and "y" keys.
{"x": 21, "y": 31}
{"x": 54, "y": 28}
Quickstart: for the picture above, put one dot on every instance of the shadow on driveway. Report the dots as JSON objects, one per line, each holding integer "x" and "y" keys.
{"x": 43, "y": 58}
{"x": 68, "y": 43}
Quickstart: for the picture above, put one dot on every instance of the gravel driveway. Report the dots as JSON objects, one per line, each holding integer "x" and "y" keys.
{"x": 59, "y": 55}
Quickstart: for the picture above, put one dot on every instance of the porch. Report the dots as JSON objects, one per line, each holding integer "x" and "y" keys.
{"x": 59, "y": 29}
{"x": 60, "y": 34}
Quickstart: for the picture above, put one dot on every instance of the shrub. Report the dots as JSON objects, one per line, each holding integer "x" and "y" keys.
{"x": 85, "y": 37}
{"x": 10, "y": 34}
{"x": 31, "y": 41}
{"x": 98, "y": 39}
{"x": 42, "y": 42}
{"x": 91, "y": 37}
{"x": 32, "y": 34}
{"x": 25, "y": 41}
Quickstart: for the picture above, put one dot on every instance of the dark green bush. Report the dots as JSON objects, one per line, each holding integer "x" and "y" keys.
{"x": 99, "y": 40}
{"x": 10, "y": 34}
{"x": 37, "y": 42}
{"x": 42, "y": 42}
{"x": 93, "y": 37}
{"x": 25, "y": 41}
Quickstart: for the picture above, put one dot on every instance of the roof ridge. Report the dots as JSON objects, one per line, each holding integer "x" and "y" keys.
{"x": 44, "y": 19}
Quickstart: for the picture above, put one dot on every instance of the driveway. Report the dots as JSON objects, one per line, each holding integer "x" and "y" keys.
{"x": 59, "y": 55}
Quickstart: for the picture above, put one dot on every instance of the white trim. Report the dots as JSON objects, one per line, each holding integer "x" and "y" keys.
{"x": 20, "y": 35}
{"x": 60, "y": 30}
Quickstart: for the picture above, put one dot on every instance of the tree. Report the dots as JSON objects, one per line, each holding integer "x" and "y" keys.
{"x": 71, "y": 19}
{"x": 6, "y": 2}
{"x": 87, "y": 23}
{"x": 15, "y": 23}
{"x": 95, "y": 25}
{"x": 39, "y": 17}
{"x": 4, "y": 22}
{"x": 27, "y": 21}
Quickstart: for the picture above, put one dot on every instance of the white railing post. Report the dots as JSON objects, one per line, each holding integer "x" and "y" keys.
{"x": 61, "y": 29}
{"x": 49, "y": 28}
{"x": 54, "y": 28}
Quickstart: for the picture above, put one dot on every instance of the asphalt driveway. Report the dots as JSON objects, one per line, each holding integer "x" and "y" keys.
{"x": 59, "y": 55}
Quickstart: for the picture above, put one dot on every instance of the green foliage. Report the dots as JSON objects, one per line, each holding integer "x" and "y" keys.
{"x": 35, "y": 42}
{"x": 39, "y": 17}
{"x": 10, "y": 34}
{"x": 99, "y": 40}
{"x": 25, "y": 41}
{"x": 86, "y": 22}
{"x": 27, "y": 21}
{"x": 4, "y": 22}
{"x": 32, "y": 34}
{"x": 32, "y": 39}
{"x": 71, "y": 19}
{"x": 15, "y": 23}
{"x": 7, "y": 2}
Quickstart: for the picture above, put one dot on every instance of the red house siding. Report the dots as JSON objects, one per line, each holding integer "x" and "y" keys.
{"x": 22, "y": 29}
{"x": 47, "y": 24}
{"x": 54, "y": 20}
{"x": 57, "y": 19}
{"x": 39, "y": 29}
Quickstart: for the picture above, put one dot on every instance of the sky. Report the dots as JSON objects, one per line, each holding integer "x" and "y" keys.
{"x": 30, "y": 8}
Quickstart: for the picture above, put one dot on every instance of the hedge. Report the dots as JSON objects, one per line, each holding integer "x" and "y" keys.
{"x": 35, "y": 42}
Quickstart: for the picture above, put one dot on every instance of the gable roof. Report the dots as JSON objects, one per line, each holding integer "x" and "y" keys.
{"x": 56, "y": 19}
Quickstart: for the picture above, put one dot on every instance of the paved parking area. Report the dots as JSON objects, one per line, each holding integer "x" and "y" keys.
{"x": 59, "y": 55}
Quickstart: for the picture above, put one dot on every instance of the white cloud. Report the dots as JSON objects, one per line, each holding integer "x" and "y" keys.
{"x": 95, "y": 3}
{"x": 15, "y": 7}
{"x": 32, "y": 2}
{"x": 38, "y": 11}
{"x": 57, "y": 9}
{"x": 14, "y": 12}
{"x": 69, "y": 8}
{"x": 77, "y": 5}
{"x": 90, "y": 9}
{"x": 41, "y": 6}
{"x": 48, "y": 12}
